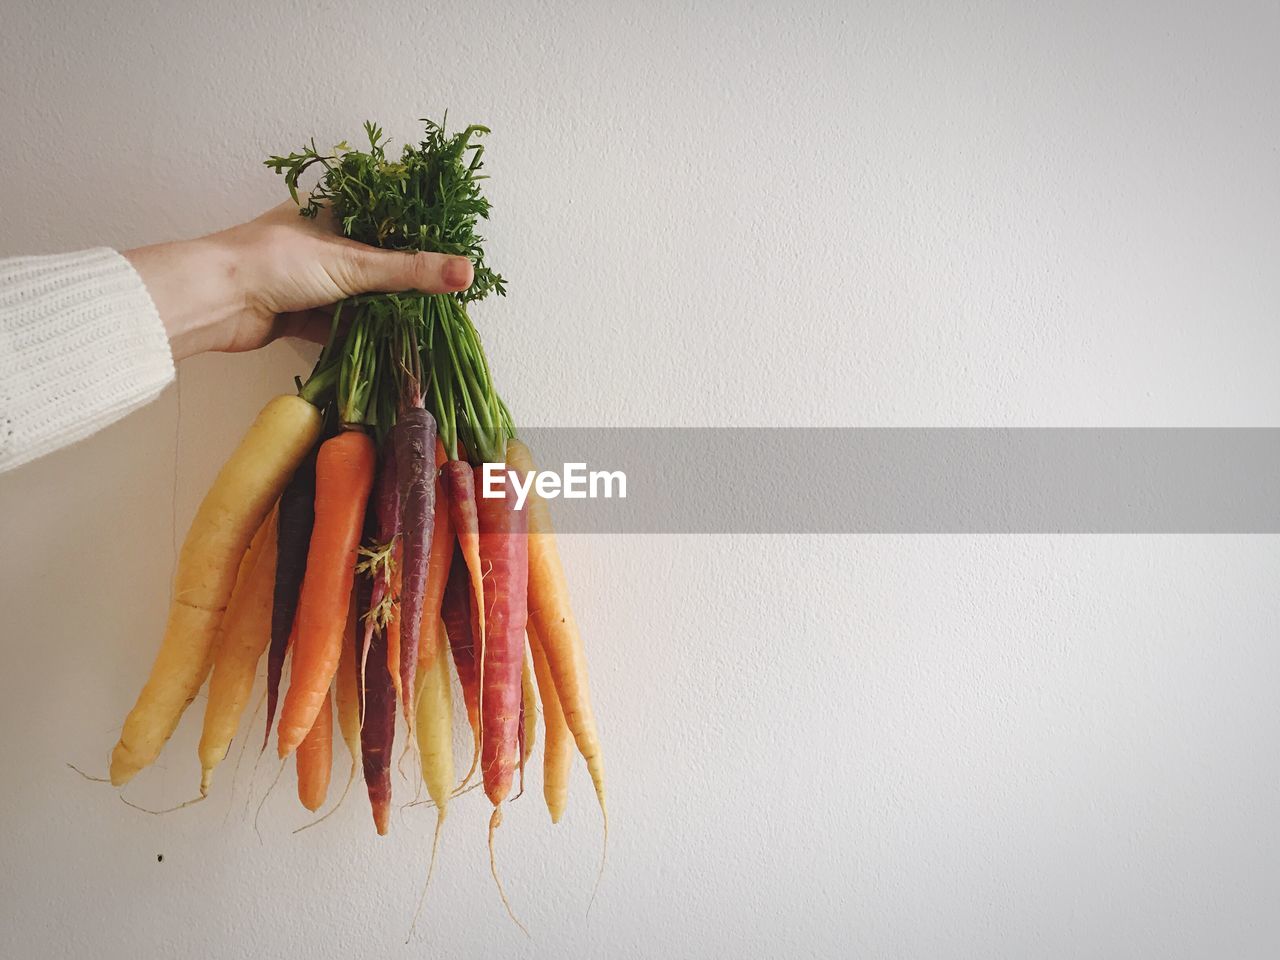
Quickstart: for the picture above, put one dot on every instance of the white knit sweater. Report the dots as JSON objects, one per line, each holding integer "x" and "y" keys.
{"x": 81, "y": 345}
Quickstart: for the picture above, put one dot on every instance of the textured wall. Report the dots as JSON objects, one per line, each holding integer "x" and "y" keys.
{"x": 920, "y": 213}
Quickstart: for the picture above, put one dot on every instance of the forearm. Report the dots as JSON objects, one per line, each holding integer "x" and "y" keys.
{"x": 81, "y": 345}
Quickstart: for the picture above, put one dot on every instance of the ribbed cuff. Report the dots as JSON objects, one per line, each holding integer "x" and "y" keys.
{"x": 81, "y": 345}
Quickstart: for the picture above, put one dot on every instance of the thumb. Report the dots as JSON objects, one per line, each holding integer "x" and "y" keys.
{"x": 378, "y": 271}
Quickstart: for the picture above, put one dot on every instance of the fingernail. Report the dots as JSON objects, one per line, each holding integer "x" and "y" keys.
{"x": 457, "y": 273}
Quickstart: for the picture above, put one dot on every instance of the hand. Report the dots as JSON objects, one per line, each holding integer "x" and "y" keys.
{"x": 241, "y": 288}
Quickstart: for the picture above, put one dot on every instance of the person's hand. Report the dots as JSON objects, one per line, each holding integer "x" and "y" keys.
{"x": 241, "y": 288}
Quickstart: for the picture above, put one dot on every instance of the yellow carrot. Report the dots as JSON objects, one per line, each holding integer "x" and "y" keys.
{"x": 435, "y": 724}
{"x": 347, "y": 693}
{"x": 232, "y": 511}
{"x": 433, "y": 720}
{"x": 557, "y": 750}
{"x": 242, "y": 638}
{"x": 552, "y": 618}
{"x": 529, "y": 708}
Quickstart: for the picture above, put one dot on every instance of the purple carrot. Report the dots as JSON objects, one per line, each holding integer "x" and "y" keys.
{"x": 457, "y": 612}
{"x": 362, "y": 588}
{"x": 293, "y": 538}
{"x": 386, "y": 507}
{"x": 414, "y": 437}
{"x": 458, "y": 482}
{"x": 376, "y": 697}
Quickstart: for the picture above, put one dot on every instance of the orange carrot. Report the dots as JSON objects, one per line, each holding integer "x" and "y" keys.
{"x": 344, "y": 477}
{"x": 243, "y": 635}
{"x": 315, "y": 759}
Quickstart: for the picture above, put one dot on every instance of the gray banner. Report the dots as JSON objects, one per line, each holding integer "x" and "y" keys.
{"x": 920, "y": 480}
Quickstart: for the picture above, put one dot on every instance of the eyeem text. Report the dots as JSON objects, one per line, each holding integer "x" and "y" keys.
{"x": 574, "y": 482}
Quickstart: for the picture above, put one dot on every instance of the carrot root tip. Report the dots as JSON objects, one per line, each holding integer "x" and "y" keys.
{"x": 334, "y": 809}
{"x": 431, "y": 869}
{"x": 382, "y": 817}
{"x": 495, "y": 821}
{"x": 88, "y": 776}
{"x": 604, "y": 855}
{"x": 157, "y": 813}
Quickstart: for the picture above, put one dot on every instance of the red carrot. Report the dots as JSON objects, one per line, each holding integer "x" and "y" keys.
{"x": 293, "y": 537}
{"x": 414, "y": 437}
{"x": 504, "y": 557}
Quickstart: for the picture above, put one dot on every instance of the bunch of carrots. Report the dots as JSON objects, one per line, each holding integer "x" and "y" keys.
{"x": 348, "y": 537}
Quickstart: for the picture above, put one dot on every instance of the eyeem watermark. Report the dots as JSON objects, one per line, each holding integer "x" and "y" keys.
{"x": 574, "y": 482}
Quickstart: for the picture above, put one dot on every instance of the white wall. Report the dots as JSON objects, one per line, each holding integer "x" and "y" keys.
{"x": 920, "y": 213}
